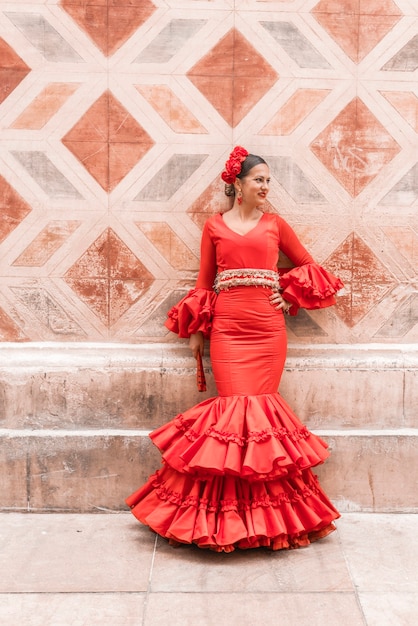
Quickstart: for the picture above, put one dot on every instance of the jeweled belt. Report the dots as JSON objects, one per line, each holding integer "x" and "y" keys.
{"x": 246, "y": 276}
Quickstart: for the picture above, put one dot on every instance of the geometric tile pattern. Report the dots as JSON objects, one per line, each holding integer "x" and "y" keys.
{"x": 44, "y": 106}
{"x": 170, "y": 178}
{"x": 116, "y": 118}
{"x": 108, "y": 277}
{"x": 357, "y": 26}
{"x": 406, "y": 59}
{"x": 294, "y": 111}
{"x": 169, "y": 40}
{"x": 13, "y": 209}
{"x": 48, "y": 241}
{"x": 12, "y": 70}
{"x": 165, "y": 240}
{"x": 173, "y": 111}
{"x": 241, "y": 73}
{"x": 109, "y": 22}
{"x": 108, "y": 141}
{"x": 365, "y": 278}
{"x": 405, "y": 192}
{"x": 355, "y": 147}
{"x": 406, "y": 104}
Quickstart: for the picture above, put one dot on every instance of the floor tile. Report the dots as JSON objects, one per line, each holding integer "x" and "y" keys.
{"x": 70, "y": 553}
{"x": 390, "y": 609}
{"x": 381, "y": 551}
{"x": 250, "y": 609}
{"x": 97, "y": 609}
{"x": 319, "y": 567}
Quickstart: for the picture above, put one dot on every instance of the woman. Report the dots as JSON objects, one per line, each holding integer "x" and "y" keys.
{"x": 236, "y": 467}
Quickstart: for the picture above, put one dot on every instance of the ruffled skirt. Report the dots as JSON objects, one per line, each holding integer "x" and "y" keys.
{"x": 236, "y": 469}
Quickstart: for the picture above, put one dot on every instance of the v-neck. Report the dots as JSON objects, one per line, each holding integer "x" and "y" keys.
{"x": 239, "y": 234}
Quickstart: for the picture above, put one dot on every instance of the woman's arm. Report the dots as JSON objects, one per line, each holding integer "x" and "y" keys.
{"x": 205, "y": 280}
{"x": 308, "y": 284}
{"x": 291, "y": 246}
{"x": 207, "y": 268}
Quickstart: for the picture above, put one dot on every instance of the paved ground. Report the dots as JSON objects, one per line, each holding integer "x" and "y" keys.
{"x": 86, "y": 570}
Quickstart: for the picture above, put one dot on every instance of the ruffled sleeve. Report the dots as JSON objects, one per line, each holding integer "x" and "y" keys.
{"x": 309, "y": 286}
{"x": 192, "y": 314}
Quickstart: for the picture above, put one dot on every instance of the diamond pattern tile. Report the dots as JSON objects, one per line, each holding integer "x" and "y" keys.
{"x": 365, "y": 278}
{"x": 108, "y": 141}
{"x": 109, "y": 23}
{"x": 355, "y": 147}
{"x": 12, "y": 70}
{"x": 116, "y": 117}
{"x": 233, "y": 76}
{"x": 357, "y": 26}
{"x": 109, "y": 278}
{"x": 13, "y": 209}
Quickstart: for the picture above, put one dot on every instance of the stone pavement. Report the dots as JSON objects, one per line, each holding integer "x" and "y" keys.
{"x": 107, "y": 569}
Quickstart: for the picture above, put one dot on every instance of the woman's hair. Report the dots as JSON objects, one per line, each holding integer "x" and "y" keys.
{"x": 249, "y": 162}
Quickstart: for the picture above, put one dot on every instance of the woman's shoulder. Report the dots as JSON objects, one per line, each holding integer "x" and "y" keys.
{"x": 213, "y": 220}
{"x": 279, "y": 220}
{"x": 274, "y": 219}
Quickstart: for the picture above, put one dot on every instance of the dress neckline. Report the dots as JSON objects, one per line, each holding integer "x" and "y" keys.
{"x": 234, "y": 231}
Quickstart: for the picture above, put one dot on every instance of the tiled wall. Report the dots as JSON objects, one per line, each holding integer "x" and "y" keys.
{"x": 116, "y": 117}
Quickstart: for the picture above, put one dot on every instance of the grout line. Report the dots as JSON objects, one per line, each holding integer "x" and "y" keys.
{"x": 354, "y": 586}
{"x": 28, "y": 482}
{"x": 144, "y": 615}
{"x": 216, "y": 592}
{"x": 10, "y": 433}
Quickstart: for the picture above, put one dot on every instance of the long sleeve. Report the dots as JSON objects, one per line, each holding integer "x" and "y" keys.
{"x": 194, "y": 312}
{"x": 308, "y": 285}
{"x": 207, "y": 270}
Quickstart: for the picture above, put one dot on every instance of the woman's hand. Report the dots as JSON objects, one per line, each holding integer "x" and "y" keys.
{"x": 277, "y": 300}
{"x": 197, "y": 343}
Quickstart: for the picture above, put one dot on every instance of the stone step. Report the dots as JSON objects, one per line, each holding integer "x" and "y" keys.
{"x": 123, "y": 386}
{"x": 94, "y": 470}
{"x": 75, "y": 420}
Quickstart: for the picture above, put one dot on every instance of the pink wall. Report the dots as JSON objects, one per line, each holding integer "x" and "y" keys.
{"x": 116, "y": 117}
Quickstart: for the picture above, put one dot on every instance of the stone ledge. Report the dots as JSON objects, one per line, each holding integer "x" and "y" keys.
{"x": 59, "y": 355}
{"x": 74, "y": 386}
{"x": 95, "y": 470}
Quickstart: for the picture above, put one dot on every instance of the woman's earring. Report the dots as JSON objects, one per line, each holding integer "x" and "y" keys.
{"x": 239, "y": 197}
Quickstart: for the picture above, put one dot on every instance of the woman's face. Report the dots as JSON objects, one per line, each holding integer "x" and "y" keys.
{"x": 255, "y": 186}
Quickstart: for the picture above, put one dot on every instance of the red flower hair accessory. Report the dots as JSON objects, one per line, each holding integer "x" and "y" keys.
{"x": 233, "y": 165}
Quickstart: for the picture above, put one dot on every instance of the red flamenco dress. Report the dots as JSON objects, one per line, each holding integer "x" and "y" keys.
{"x": 236, "y": 469}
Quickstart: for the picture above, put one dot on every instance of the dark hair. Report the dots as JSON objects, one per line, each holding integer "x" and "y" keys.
{"x": 249, "y": 162}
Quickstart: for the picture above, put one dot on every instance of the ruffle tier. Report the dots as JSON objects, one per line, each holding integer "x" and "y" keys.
{"x": 192, "y": 314}
{"x": 309, "y": 286}
{"x": 224, "y": 512}
{"x": 236, "y": 474}
{"x": 254, "y": 437}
